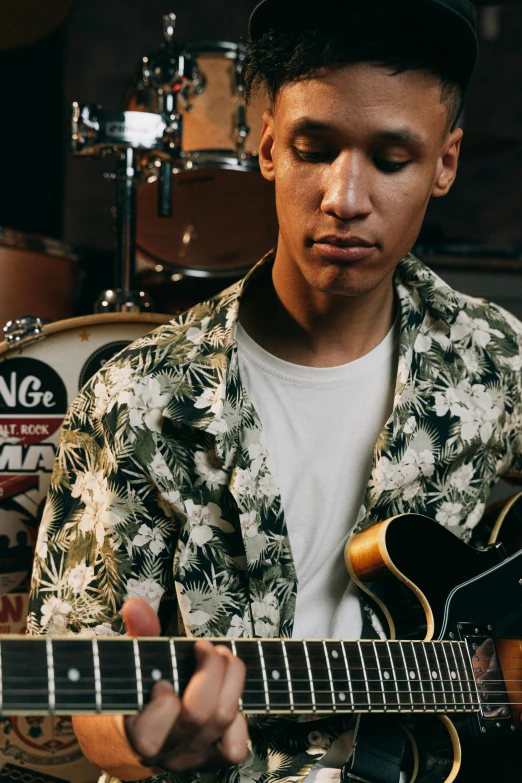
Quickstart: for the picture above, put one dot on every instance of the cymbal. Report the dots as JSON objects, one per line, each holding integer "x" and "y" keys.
{"x": 23, "y": 22}
{"x": 476, "y": 146}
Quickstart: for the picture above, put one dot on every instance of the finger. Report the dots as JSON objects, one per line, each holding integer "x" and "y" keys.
{"x": 148, "y": 731}
{"x": 232, "y": 748}
{"x": 201, "y": 696}
{"x": 207, "y": 725}
{"x": 140, "y": 618}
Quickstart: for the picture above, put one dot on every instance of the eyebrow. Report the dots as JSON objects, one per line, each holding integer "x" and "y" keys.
{"x": 401, "y": 135}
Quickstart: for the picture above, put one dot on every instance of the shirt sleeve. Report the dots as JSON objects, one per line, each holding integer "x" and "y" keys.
{"x": 108, "y": 532}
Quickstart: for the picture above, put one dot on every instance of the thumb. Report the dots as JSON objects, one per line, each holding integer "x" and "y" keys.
{"x": 140, "y": 618}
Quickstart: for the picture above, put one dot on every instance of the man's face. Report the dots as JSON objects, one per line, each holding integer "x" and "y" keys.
{"x": 355, "y": 154}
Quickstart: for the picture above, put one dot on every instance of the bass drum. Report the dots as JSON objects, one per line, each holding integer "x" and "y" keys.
{"x": 224, "y": 217}
{"x": 37, "y": 384}
{"x": 40, "y": 276}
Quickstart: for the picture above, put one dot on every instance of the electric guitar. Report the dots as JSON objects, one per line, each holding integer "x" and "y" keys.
{"x": 457, "y": 677}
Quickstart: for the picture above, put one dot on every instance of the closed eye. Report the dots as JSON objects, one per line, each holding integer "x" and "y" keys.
{"x": 388, "y": 167}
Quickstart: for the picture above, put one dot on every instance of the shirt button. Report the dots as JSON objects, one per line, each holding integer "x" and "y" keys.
{"x": 315, "y": 738}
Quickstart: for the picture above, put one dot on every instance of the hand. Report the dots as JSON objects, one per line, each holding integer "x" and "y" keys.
{"x": 202, "y": 729}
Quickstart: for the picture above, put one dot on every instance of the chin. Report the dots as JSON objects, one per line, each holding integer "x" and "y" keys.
{"x": 357, "y": 279}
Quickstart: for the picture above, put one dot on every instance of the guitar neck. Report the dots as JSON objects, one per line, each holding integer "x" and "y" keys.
{"x": 116, "y": 675}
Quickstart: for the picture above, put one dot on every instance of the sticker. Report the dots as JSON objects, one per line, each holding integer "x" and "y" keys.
{"x": 33, "y": 402}
{"x": 11, "y": 773}
{"x": 39, "y": 740}
{"x": 99, "y": 358}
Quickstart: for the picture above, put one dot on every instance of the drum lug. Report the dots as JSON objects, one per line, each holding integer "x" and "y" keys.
{"x": 23, "y": 331}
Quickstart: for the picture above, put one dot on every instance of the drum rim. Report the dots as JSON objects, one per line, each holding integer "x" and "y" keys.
{"x": 227, "y": 49}
{"x": 22, "y": 240}
{"x": 68, "y": 324}
{"x": 197, "y": 272}
{"x": 219, "y": 159}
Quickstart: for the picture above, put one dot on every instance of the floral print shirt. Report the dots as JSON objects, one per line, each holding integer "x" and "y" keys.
{"x": 162, "y": 486}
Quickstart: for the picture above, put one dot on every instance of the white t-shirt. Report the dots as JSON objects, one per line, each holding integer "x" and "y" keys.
{"x": 321, "y": 426}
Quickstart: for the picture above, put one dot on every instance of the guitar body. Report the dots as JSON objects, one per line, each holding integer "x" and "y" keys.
{"x": 424, "y": 583}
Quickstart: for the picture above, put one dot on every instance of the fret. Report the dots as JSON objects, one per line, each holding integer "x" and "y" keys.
{"x": 372, "y": 669}
{"x": 119, "y": 686}
{"x": 25, "y": 676}
{"x": 416, "y": 679}
{"x": 97, "y": 677}
{"x": 427, "y": 681}
{"x": 175, "y": 673}
{"x": 329, "y": 669}
{"x": 1, "y": 683}
{"x": 263, "y": 670}
{"x": 472, "y": 698}
{"x": 74, "y": 676}
{"x": 50, "y": 675}
{"x": 312, "y": 689}
{"x": 381, "y": 678}
{"x": 455, "y": 677}
{"x": 155, "y": 659}
{"x": 393, "y": 683}
{"x": 348, "y": 677}
{"x": 446, "y": 675}
{"x": 137, "y": 666}
{"x": 276, "y": 675}
{"x": 234, "y": 653}
{"x": 407, "y": 675}
{"x": 365, "y": 676}
{"x": 288, "y": 676}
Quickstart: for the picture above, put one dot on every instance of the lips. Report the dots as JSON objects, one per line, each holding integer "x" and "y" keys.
{"x": 344, "y": 241}
{"x": 344, "y": 249}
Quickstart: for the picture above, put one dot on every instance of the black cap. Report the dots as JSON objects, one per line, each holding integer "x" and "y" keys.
{"x": 453, "y": 21}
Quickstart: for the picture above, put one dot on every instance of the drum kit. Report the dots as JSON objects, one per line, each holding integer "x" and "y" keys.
{"x": 186, "y": 176}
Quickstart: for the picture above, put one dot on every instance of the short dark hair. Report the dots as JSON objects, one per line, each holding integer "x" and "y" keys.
{"x": 375, "y": 34}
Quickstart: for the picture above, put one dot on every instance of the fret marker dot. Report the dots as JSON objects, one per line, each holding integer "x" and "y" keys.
{"x": 342, "y": 697}
{"x": 412, "y": 675}
{"x": 73, "y": 675}
{"x": 156, "y": 675}
{"x": 434, "y": 675}
{"x": 453, "y": 675}
{"x": 276, "y": 675}
{"x": 386, "y": 675}
{"x": 335, "y": 654}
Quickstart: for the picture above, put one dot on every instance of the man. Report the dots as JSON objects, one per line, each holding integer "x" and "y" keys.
{"x": 217, "y": 467}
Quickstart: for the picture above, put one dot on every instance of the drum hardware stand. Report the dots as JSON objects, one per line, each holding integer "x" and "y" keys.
{"x": 242, "y": 128}
{"x": 99, "y": 133}
{"x": 24, "y": 330}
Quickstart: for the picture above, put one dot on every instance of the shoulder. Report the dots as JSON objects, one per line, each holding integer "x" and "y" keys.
{"x": 151, "y": 369}
{"x": 467, "y": 322}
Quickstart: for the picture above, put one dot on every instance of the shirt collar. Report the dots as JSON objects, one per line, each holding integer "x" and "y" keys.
{"x": 209, "y": 362}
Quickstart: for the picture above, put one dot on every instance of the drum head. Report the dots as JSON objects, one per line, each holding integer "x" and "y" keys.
{"x": 223, "y": 222}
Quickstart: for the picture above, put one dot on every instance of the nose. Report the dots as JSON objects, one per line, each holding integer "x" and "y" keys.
{"x": 347, "y": 192}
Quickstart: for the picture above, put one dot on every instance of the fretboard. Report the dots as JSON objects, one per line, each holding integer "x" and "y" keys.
{"x": 71, "y": 676}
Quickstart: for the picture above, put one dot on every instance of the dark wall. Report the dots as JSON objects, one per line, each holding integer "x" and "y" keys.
{"x": 94, "y": 59}
{"x": 33, "y": 136}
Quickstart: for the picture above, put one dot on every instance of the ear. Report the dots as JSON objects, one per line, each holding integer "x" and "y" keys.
{"x": 266, "y": 162}
{"x": 448, "y": 164}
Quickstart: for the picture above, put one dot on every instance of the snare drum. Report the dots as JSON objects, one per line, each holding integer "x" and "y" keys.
{"x": 40, "y": 277}
{"x": 224, "y": 218}
{"x": 37, "y": 384}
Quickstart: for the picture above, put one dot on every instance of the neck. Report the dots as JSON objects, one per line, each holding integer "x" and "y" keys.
{"x": 311, "y": 327}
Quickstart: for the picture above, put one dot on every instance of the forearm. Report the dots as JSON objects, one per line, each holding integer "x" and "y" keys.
{"x": 104, "y": 742}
